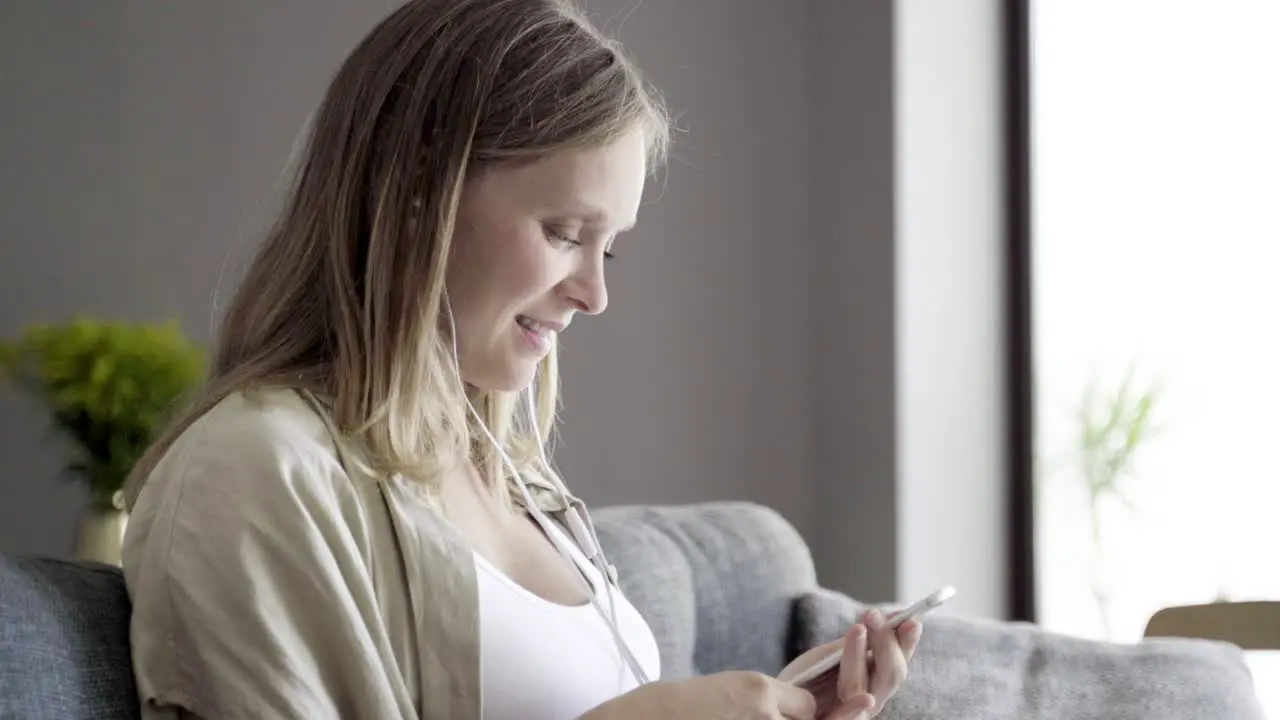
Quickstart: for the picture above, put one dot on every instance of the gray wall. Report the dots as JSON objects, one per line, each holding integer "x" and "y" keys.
{"x": 906, "y": 344}
{"x": 853, "y": 353}
{"x": 768, "y": 328}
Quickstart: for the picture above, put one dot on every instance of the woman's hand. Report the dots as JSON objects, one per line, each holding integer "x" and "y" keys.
{"x": 737, "y": 695}
{"x": 872, "y": 669}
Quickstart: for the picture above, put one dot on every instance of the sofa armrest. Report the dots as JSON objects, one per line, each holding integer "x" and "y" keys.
{"x": 979, "y": 669}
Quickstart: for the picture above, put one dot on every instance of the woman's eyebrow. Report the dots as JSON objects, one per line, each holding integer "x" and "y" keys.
{"x": 593, "y": 215}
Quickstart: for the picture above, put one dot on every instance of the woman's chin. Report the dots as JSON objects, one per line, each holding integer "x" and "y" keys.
{"x": 513, "y": 377}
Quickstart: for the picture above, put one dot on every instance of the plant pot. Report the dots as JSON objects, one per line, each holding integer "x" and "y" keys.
{"x": 100, "y": 535}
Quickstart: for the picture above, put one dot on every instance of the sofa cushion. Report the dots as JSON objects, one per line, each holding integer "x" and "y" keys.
{"x": 64, "y": 641}
{"x": 715, "y": 581}
{"x": 976, "y": 669}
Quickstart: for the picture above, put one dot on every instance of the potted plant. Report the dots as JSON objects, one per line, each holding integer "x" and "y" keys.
{"x": 1114, "y": 427}
{"x": 109, "y": 387}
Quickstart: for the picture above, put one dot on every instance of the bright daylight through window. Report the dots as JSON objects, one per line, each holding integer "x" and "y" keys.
{"x": 1156, "y": 245}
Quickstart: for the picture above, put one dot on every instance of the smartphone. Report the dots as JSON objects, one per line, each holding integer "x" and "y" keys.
{"x": 831, "y": 663}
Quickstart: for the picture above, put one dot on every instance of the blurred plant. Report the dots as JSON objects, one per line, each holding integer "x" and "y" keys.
{"x": 1114, "y": 426}
{"x": 109, "y": 387}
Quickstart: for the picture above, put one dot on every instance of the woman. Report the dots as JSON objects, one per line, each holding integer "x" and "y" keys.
{"x": 357, "y": 519}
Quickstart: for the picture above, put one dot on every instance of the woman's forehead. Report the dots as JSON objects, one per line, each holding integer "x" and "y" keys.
{"x": 598, "y": 185}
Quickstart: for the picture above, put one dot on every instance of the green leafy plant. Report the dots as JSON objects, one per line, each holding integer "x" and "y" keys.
{"x": 1114, "y": 427}
{"x": 109, "y": 386}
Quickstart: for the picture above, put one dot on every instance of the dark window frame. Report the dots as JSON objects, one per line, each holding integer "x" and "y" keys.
{"x": 1018, "y": 302}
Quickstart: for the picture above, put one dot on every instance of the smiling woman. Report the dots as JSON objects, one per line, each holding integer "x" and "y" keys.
{"x": 358, "y": 519}
{"x": 523, "y": 266}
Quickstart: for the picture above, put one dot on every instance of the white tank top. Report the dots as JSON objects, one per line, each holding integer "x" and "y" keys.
{"x": 544, "y": 661}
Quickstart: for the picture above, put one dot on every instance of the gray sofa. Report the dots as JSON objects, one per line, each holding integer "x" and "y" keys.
{"x": 724, "y": 585}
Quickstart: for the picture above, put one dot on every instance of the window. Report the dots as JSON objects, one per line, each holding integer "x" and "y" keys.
{"x": 1155, "y": 227}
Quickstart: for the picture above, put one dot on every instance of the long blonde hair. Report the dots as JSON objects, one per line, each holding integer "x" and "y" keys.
{"x": 344, "y": 298}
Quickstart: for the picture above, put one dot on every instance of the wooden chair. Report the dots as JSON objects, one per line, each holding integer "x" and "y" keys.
{"x": 1251, "y": 625}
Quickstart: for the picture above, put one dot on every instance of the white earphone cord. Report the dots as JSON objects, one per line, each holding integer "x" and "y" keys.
{"x": 588, "y": 541}
{"x": 584, "y": 532}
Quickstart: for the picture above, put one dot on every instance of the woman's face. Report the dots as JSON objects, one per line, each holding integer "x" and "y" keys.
{"x": 529, "y": 253}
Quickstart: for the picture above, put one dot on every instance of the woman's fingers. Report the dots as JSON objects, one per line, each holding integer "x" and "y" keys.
{"x": 854, "y": 680}
{"x": 859, "y": 709}
{"x": 890, "y": 661}
{"x": 853, "y": 666}
{"x": 795, "y": 703}
{"x": 909, "y": 634}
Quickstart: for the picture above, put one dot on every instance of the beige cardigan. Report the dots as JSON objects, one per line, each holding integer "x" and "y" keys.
{"x": 272, "y": 575}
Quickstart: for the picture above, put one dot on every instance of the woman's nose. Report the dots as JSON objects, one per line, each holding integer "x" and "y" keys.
{"x": 587, "y": 290}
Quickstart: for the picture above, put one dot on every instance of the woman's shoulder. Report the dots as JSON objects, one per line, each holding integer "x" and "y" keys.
{"x": 242, "y": 544}
{"x": 272, "y": 431}
{"x": 254, "y": 456}
{"x": 274, "y": 422}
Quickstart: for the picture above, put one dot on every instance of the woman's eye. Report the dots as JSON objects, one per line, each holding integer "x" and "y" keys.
{"x": 559, "y": 237}
{"x": 556, "y": 237}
